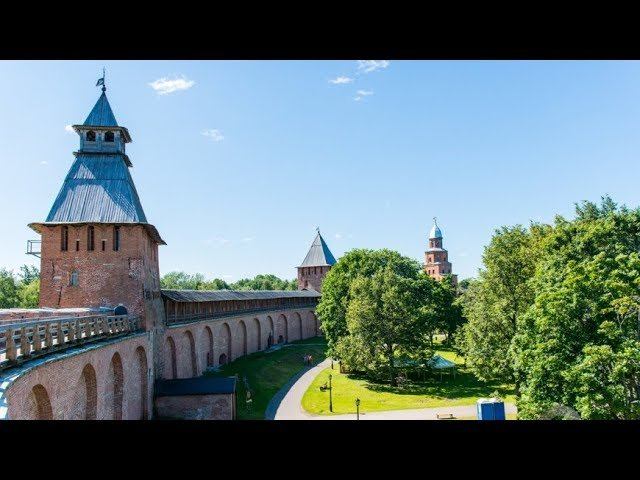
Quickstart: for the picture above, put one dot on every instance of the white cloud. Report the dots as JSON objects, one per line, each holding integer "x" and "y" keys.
{"x": 247, "y": 239}
{"x": 361, "y": 94}
{"x": 226, "y": 276}
{"x": 341, "y": 80}
{"x": 463, "y": 254}
{"x": 44, "y": 162}
{"x": 69, "y": 129}
{"x": 217, "y": 241}
{"x": 338, "y": 236}
{"x": 213, "y": 134}
{"x": 368, "y": 66}
{"x": 166, "y": 85}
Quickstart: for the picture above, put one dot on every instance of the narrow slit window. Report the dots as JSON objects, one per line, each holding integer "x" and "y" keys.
{"x": 104, "y": 245}
{"x": 73, "y": 281}
{"x": 64, "y": 239}
{"x": 77, "y": 245}
{"x": 116, "y": 239}
{"x": 90, "y": 237}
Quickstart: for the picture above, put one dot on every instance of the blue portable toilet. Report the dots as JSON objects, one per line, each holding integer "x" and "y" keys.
{"x": 490, "y": 409}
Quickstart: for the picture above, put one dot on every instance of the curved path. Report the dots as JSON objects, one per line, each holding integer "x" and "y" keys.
{"x": 289, "y": 404}
{"x": 289, "y": 398}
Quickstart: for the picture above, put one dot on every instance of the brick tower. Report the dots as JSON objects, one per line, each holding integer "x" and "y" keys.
{"x": 436, "y": 258}
{"x": 98, "y": 250}
{"x": 315, "y": 265}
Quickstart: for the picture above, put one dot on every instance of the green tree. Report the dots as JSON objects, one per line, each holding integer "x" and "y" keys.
{"x": 448, "y": 311}
{"x": 265, "y": 282}
{"x": 495, "y": 302}
{"x": 28, "y": 274}
{"x": 215, "y": 284}
{"x": 29, "y": 294}
{"x": 464, "y": 284}
{"x": 382, "y": 320}
{"x": 606, "y": 381}
{"x": 182, "y": 281}
{"x": 485, "y": 340}
{"x": 336, "y": 295}
{"x": 186, "y": 281}
{"x": 8, "y": 289}
{"x": 587, "y": 282}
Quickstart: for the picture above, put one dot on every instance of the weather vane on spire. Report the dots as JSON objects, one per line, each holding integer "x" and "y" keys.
{"x": 318, "y": 230}
{"x": 435, "y": 221}
{"x": 101, "y": 81}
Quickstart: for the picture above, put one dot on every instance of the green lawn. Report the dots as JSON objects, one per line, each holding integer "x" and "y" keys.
{"x": 268, "y": 372}
{"x": 465, "y": 389}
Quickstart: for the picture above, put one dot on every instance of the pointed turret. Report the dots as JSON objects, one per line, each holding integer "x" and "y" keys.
{"x": 315, "y": 265}
{"x": 319, "y": 254}
{"x": 96, "y": 236}
{"x": 101, "y": 115}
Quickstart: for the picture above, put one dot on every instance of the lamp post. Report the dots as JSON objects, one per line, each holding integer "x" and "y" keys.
{"x": 357, "y": 409}
{"x": 331, "y": 363}
{"x": 330, "y": 395}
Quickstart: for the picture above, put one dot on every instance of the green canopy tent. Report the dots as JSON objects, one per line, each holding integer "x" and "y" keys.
{"x": 442, "y": 365}
{"x": 436, "y": 363}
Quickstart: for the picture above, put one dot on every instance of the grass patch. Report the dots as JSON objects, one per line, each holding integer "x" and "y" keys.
{"x": 465, "y": 389}
{"x": 267, "y": 372}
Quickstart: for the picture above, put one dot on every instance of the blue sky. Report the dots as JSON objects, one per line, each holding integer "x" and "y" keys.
{"x": 242, "y": 160}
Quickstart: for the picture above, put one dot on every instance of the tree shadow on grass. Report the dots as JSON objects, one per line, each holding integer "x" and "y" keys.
{"x": 464, "y": 385}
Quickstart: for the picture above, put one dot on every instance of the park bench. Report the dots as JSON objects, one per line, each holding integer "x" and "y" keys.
{"x": 442, "y": 416}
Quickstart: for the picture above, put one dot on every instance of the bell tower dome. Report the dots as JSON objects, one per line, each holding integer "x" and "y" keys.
{"x": 437, "y": 263}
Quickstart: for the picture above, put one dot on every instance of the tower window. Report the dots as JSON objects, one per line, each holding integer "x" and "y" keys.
{"x": 104, "y": 245}
{"x": 73, "y": 281}
{"x": 77, "y": 245}
{"x": 109, "y": 137}
{"x": 116, "y": 239}
{"x": 64, "y": 239}
{"x": 90, "y": 237}
{"x": 91, "y": 136}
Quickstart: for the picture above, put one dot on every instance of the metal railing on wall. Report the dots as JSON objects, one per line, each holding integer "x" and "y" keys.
{"x": 196, "y": 317}
{"x": 24, "y": 341}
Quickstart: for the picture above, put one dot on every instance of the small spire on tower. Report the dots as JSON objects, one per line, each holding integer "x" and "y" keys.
{"x": 435, "y": 230}
{"x": 101, "y": 81}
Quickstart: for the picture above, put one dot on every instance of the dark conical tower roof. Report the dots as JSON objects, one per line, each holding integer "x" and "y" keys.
{"x": 101, "y": 115}
{"x": 319, "y": 254}
{"x": 99, "y": 187}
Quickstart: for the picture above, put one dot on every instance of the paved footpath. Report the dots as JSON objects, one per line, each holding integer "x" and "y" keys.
{"x": 289, "y": 406}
